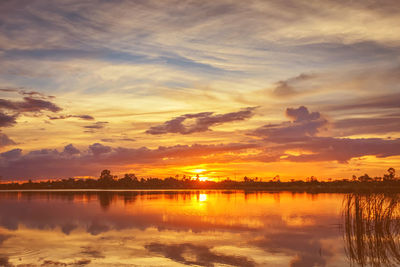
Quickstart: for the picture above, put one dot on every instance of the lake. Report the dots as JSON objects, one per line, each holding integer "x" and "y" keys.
{"x": 198, "y": 228}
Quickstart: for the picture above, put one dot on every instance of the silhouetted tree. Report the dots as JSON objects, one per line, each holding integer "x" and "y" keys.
{"x": 364, "y": 178}
{"x": 106, "y": 179}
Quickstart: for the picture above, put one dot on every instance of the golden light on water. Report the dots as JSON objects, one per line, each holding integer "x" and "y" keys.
{"x": 202, "y": 197}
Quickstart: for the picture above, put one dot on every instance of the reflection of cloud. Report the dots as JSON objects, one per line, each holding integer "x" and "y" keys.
{"x": 68, "y": 227}
{"x": 100, "y": 233}
{"x": 4, "y": 262}
{"x": 94, "y": 253}
{"x": 52, "y": 263}
{"x": 96, "y": 228}
{"x": 103, "y": 218}
{"x": 4, "y": 237}
{"x": 203, "y": 256}
{"x": 305, "y": 244}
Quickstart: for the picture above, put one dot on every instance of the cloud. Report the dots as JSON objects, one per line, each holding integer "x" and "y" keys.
{"x": 202, "y": 122}
{"x": 387, "y": 101}
{"x": 98, "y": 149}
{"x": 203, "y": 256}
{"x": 302, "y": 134}
{"x": 303, "y": 124}
{"x": 11, "y": 154}
{"x": 7, "y": 120}
{"x": 343, "y": 149}
{"x": 71, "y": 150}
{"x": 62, "y": 117}
{"x": 46, "y": 163}
{"x": 32, "y": 94}
{"x": 286, "y": 88}
{"x": 112, "y": 140}
{"x": 5, "y": 140}
{"x": 384, "y": 124}
{"x": 29, "y": 104}
{"x": 96, "y": 126}
{"x": 301, "y": 114}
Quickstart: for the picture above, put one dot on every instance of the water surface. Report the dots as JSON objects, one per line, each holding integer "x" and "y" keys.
{"x": 199, "y": 228}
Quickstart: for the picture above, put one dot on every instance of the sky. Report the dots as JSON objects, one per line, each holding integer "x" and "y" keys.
{"x": 215, "y": 88}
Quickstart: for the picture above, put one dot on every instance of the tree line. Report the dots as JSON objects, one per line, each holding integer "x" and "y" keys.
{"x": 107, "y": 180}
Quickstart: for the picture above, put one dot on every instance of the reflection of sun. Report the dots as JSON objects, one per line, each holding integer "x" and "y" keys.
{"x": 202, "y": 197}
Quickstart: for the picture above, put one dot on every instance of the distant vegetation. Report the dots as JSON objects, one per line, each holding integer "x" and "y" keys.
{"x": 388, "y": 182}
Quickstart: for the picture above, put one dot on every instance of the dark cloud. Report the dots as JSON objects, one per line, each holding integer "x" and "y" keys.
{"x": 12, "y": 154}
{"x": 303, "y": 124}
{"x": 343, "y": 149}
{"x": 98, "y": 149}
{"x": 62, "y": 117}
{"x": 71, "y": 150}
{"x": 29, "y": 104}
{"x": 5, "y": 140}
{"x": 46, "y": 163}
{"x": 7, "y": 120}
{"x": 97, "y": 125}
{"x": 302, "y": 134}
{"x": 202, "y": 254}
{"x": 376, "y": 125}
{"x": 202, "y": 122}
{"x": 301, "y": 114}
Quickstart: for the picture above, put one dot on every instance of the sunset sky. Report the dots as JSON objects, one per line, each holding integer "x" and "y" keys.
{"x": 215, "y": 88}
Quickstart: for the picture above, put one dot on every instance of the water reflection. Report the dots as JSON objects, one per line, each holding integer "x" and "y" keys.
{"x": 170, "y": 228}
{"x": 372, "y": 228}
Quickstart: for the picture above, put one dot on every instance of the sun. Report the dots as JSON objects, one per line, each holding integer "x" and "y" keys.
{"x": 200, "y": 175}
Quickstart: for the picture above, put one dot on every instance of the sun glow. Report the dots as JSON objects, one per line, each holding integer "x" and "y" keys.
{"x": 199, "y": 174}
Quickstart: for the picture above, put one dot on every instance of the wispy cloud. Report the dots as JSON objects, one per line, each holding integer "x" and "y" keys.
{"x": 202, "y": 122}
